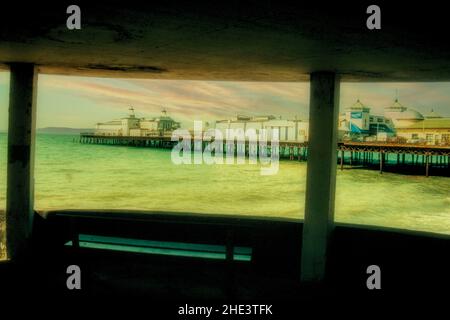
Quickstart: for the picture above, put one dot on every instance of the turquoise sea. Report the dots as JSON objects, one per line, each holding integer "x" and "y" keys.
{"x": 70, "y": 175}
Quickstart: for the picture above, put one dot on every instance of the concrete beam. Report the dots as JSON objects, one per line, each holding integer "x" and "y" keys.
{"x": 20, "y": 181}
{"x": 321, "y": 174}
{"x": 229, "y": 40}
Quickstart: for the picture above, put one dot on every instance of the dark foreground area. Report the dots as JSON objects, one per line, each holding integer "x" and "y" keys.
{"x": 412, "y": 265}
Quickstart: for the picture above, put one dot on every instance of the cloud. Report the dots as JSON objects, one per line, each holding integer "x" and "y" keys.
{"x": 188, "y": 100}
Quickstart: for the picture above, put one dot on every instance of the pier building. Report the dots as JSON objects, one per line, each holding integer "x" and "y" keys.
{"x": 358, "y": 123}
{"x": 138, "y": 127}
{"x": 289, "y": 130}
{"x": 414, "y": 127}
{"x": 399, "y": 122}
{"x": 401, "y": 115}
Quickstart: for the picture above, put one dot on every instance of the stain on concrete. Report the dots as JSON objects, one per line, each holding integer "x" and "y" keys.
{"x": 124, "y": 68}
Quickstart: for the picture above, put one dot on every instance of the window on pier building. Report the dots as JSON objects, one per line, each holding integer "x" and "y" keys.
{"x": 106, "y": 144}
{"x": 391, "y": 189}
{"x": 446, "y": 138}
{"x": 4, "y": 100}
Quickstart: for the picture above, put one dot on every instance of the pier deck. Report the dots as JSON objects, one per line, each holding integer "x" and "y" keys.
{"x": 350, "y": 153}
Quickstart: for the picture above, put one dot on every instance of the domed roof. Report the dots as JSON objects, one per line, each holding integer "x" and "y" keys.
{"x": 396, "y": 106}
{"x": 433, "y": 115}
{"x": 399, "y": 112}
{"x": 410, "y": 115}
{"x": 358, "y": 105}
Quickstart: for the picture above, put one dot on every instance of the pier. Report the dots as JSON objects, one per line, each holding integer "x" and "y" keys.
{"x": 399, "y": 157}
{"x": 396, "y": 154}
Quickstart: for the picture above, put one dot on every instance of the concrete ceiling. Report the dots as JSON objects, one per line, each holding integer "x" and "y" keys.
{"x": 230, "y": 40}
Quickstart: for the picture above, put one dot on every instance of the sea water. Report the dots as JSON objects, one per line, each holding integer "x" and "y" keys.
{"x": 70, "y": 175}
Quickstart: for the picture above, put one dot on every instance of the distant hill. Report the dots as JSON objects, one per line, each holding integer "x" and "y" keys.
{"x": 63, "y": 130}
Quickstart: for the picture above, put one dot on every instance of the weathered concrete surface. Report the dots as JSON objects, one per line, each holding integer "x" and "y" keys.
{"x": 321, "y": 174}
{"x": 20, "y": 180}
{"x": 230, "y": 40}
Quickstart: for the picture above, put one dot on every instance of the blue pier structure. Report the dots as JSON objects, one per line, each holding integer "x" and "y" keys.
{"x": 358, "y": 124}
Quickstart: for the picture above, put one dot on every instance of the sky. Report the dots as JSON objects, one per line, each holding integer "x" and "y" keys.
{"x": 81, "y": 102}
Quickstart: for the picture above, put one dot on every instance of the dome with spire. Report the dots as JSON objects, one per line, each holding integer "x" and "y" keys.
{"x": 399, "y": 112}
{"x": 433, "y": 115}
{"x": 397, "y": 106}
{"x": 358, "y": 106}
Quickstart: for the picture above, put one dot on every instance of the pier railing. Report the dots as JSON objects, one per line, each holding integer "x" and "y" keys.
{"x": 367, "y": 153}
{"x": 89, "y": 137}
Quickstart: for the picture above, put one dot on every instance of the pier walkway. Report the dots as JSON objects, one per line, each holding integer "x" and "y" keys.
{"x": 366, "y": 154}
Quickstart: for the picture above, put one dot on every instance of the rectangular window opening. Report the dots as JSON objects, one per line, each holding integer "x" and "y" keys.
{"x": 395, "y": 172}
{"x": 180, "y": 249}
{"x": 106, "y": 144}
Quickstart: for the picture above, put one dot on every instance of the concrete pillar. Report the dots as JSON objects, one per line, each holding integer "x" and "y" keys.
{"x": 321, "y": 174}
{"x": 20, "y": 181}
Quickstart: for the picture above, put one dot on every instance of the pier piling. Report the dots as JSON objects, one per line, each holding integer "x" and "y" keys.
{"x": 409, "y": 157}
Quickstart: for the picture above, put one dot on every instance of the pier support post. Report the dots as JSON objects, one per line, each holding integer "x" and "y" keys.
{"x": 381, "y": 161}
{"x": 21, "y": 137}
{"x": 321, "y": 175}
